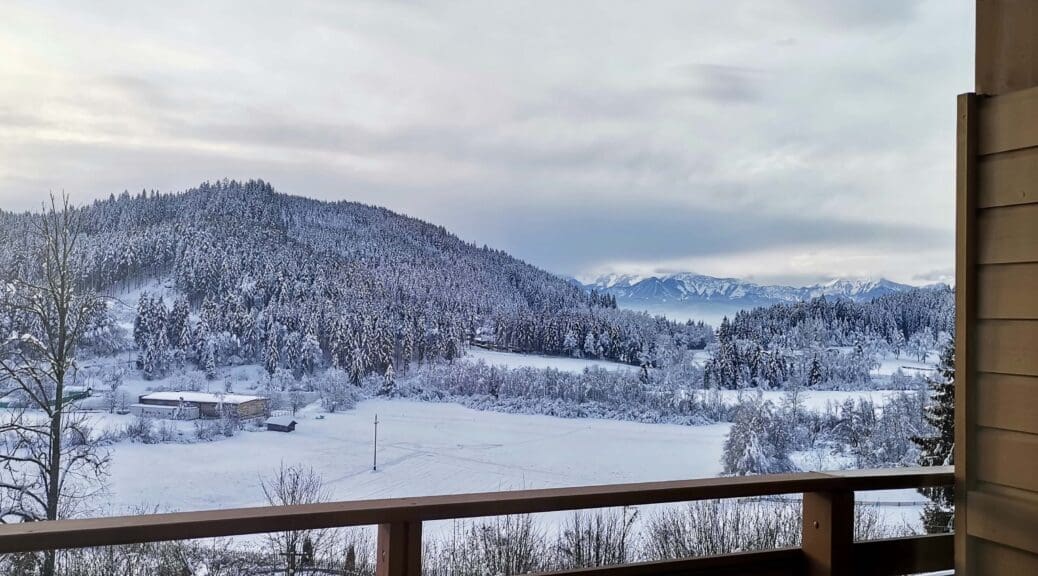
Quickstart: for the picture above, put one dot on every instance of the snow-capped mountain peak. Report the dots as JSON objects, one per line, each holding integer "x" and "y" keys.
{"x": 693, "y": 287}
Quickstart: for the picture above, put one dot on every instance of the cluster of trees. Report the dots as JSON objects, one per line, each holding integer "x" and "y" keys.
{"x": 911, "y": 320}
{"x": 742, "y": 363}
{"x": 593, "y": 393}
{"x": 605, "y": 333}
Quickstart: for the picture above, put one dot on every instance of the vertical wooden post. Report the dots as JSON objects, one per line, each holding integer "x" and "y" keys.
{"x": 399, "y": 549}
{"x": 828, "y": 533}
{"x": 965, "y": 321}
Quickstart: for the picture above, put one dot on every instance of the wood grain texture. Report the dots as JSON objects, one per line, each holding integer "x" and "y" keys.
{"x": 999, "y": 560}
{"x": 1006, "y": 46}
{"x": 1008, "y": 458}
{"x": 1006, "y": 521}
{"x": 828, "y": 533}
{"x": 1007, "y": 402}
{"x": 1007, "y": 291}
{"x": 1008, "y": 179}
{"x": 1007, "y": 346}
{"x": 1007, "y": 122}
{"x": 399, "y": 551}
{"x": 965, "y": 316}
{"x": 1007, "y": 235}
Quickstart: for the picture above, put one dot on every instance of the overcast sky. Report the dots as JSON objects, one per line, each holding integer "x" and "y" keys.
{"x": 776, "y": 140}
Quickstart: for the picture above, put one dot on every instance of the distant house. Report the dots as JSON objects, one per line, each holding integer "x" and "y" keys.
{"x": 211, "y": 405}
{"x": 281, "y": 424}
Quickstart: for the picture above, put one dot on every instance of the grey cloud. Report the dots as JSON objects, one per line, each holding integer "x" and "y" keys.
{"x": 728, "y": 84}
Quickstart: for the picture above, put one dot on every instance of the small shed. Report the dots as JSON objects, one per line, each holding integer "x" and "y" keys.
{"x": 281, "y": 424}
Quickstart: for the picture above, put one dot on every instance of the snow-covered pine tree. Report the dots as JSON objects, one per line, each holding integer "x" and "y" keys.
{"x": 388, "y": 382}
{"x": 570, "y": 344}
{"x": 590, "y": 345}
{"x": 814, "y": 376}
{"x": 938, "y": 448}
{"x": 270, "y": 359}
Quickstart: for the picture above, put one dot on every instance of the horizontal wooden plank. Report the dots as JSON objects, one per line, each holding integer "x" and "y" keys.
{"x": 1006, "y": 521}
{"x": 1007, "y": 346}
{"x": 785, "y": 562}
{"x": 999, "y": 560}
{"x": 905, "y": 555}
{"x": 1007, "y": 402}
{"x": 217, "y": 523}
{"x": 1008, "y": 122}
{"x": 1007, "y": 458}
{"x": 1007, "y": 235}
{"x": 1008, "y": 179}
{"x": 1007, "y": 291}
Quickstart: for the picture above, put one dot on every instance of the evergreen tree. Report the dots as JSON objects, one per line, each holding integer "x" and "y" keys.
{"x": 271, "y": 361}
{"x": 388, "y": 383}
{"x": 938, "y": 448}
{"x": 814, "y": 377}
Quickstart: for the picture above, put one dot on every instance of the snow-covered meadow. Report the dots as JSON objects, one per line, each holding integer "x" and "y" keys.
{"x": 423, "y": 449}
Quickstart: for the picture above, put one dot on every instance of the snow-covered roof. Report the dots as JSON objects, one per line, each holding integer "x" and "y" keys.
{"x": 281, "y": 420}
{"x": 202, "y": 397}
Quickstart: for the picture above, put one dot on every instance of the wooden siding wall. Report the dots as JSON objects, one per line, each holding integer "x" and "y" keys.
{"x": 997, "y": 355}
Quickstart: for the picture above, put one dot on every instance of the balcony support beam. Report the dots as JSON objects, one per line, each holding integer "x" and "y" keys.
{"x": 828, "y": 533}
{"x": 399, "y": 549}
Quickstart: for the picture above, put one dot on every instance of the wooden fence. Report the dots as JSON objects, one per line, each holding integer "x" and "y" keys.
{"x": 828, "y": 518}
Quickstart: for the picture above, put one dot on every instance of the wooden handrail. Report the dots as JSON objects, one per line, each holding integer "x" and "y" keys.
{"x": 36, "y": 536}
{"x": 827, "y": 549}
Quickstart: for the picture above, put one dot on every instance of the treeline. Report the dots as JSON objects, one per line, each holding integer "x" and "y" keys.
{"x": 910, "y": 319}
{"x": 828, "y": 340}
{"x": 296, "y": 283}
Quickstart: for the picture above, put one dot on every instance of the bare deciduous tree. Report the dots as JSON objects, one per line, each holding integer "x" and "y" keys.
{"x": 292, "y": 485}
{"x": 50, "y": 459}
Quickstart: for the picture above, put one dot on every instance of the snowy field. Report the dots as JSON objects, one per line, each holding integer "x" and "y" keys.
{"x": 512, "y": 360}
{"x": 424, "y": 449}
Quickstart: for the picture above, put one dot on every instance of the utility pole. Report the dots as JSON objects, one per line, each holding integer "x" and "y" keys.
{"x": 374, "y": 446}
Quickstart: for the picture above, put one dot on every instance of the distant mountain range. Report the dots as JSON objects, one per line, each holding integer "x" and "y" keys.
{"x": 706, "y": 297}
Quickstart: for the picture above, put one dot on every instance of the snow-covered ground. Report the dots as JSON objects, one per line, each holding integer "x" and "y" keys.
{"x": 424, "y": 449}
{"x": 512, "y": 360}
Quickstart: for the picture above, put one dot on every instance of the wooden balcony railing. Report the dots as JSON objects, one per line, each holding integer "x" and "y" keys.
{"x": 828, "y": 518}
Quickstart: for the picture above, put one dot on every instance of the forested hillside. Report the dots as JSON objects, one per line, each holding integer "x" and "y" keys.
{"x": 296, "y": 283}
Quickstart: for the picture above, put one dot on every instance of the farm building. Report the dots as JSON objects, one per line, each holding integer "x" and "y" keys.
{"x": 185, "y": 412}
{"x": 211, "y": 405}
{"x": 281, "y": 424}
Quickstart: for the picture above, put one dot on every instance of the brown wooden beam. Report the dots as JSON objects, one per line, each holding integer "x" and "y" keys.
{"x": 828, "y": 533}
{"x": 1007, "y": 45}
{"x": 399, "y": 549}
{"x": 915, "y": 555}
{"x": 783, "y": 562}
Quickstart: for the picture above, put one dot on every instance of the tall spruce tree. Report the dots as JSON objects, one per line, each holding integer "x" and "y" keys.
{"x": 937, "y": 449}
